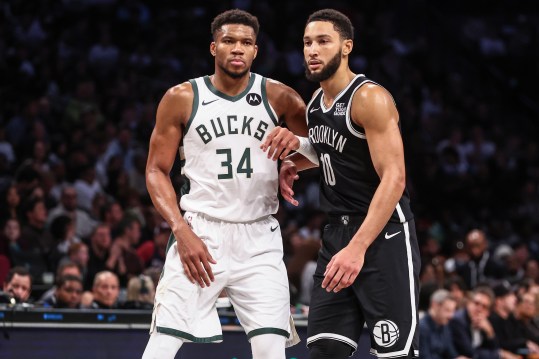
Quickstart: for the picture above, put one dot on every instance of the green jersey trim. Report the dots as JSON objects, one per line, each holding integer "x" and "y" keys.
{"x": 195, "y": 106}
{"x": 190, "y": 337}
{"x": 266, "y": 102}
{"x": 186, "y": 187}
{"x": 208, "y": 83}
{"x": 171, "y": 240}
{"x": 261, "y": 331}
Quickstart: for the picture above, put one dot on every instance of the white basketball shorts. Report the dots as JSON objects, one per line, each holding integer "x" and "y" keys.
{"x": 249, "y": 266}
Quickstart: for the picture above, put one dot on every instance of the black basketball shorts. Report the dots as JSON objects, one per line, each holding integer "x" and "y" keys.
{"x": 384, "y": 295}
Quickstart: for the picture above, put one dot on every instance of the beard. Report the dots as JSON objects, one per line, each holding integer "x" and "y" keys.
{"x": 326, "y": 72}
{"x": 234, "y": 75}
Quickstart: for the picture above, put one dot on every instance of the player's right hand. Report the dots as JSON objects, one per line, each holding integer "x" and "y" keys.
{"x": 287, "y": 175}
{"x": 279, "y": 143}
{"x": 195, "y": 258}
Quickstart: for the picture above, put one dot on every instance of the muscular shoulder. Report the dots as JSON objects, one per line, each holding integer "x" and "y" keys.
{"x": 370, "y": 96}
{"x": 372, "y": 102}
{"x": 185, "y": 89}
{"x": 283, "y": 97}
{"x": 288, "y": 105}
{"x": 181, "y": 94}
{"x": 178, "y": 101}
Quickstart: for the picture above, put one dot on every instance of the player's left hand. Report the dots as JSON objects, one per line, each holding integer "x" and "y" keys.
{"x": 279, "y": 143}
{"x": 287, "y": 175}
{"x": 343, "y": 269}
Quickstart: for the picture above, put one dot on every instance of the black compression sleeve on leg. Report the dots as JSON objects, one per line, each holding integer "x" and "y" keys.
{"x": 329, "y": 349}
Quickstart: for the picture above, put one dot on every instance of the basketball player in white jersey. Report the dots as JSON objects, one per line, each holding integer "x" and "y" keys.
{"x": 224, "y": 235}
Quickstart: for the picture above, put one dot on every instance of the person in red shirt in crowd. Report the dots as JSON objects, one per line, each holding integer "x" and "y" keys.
{"x": 153, "y": 253}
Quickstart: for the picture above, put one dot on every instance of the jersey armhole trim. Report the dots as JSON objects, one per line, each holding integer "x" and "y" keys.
{"x": 307, "y": 109}
{"x": 267, "y": 105}
{"x": 194, "y": 107}
{"x": 349, "y": 122}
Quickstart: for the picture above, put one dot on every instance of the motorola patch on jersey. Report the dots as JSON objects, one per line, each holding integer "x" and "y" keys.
{"x": 253, "y": 99}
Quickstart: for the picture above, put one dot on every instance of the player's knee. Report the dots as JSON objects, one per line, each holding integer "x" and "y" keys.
{"x": 161, "y": 346}
{"x": 268, "y": 346}
{"x": 329, "y": 349}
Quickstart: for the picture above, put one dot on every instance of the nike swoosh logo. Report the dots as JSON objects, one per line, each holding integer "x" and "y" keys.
{"x": 392, "y": 235}
{"x": 204, "y": 103}
{"x": 314, "y": 109}
{"x": 274, "y": 229}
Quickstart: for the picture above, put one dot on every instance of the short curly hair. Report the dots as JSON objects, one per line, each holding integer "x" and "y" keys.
{"x": 235, "y": 16}
{"x": 341, "y": 22}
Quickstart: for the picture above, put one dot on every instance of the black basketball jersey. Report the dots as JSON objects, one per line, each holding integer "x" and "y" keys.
{"x": 348, "y": 179}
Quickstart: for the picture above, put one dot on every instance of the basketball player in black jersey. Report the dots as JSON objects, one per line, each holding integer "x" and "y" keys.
{"x": 368, "y": 265}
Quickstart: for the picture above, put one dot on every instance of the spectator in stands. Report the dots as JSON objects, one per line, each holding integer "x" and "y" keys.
{"x": 100, "y": 242}
{"x": 104, "y": 54}
{"x": 64, "y": 269}
{"x": 9, "y": 238}
{"x": 78, "y": 253}
{"x": 526, "y": 315}
{"x": 84, "y": 225}
{"x": 155, "y": 275}
{"x": 153, "y": 252}
{"x": 478, "y": 148}
{"x": 140, "y": 293}
{"x": 62, "y": 231}
{"x": 472, "y": 332}
{"x": 532, "y": 270}
{"x": 35, "y": 243}
{"x": 503, "y": 321}
{"x": 105, "y": 291}
{"x": 87, "y": 188}
{"x": 6, "y": 176}
{"x": 6, "y": 149}
{"x": 153, "y": 223}
{"x": 67, "y": 294}
{"x": 482, "y": 266}
{"x": 98, "y": 204}
{"x": 123, "y": 259}
{"x": 39, "y": 154}
{"x": 435, "y": 340}
{"x": 112, "y": 215}
{"x": 9, "y": 204}
{"x": 19, "y": 126}
{"x": 301, "y": 266}
{"x": 455, "y": 143}
{"x": 456, "y": 286}
{"x": 137, "y": 177}
{"x": 18, "y": 284}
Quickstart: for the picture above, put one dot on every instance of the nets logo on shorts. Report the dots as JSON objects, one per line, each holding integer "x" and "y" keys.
{"x": 386, "y": 333}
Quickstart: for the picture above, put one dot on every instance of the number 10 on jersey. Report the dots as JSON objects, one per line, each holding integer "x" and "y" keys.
{"x": 329, "y": 175}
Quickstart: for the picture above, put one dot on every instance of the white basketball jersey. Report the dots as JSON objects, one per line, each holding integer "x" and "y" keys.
{"x": 229, "y": 176}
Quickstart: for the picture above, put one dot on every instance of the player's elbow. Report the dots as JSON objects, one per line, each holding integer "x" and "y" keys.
{"x": 398, "y": 181}
{"x": 153, "y": 172}
{"x": 401, "y": 182}
{"x": 149, "y": 172}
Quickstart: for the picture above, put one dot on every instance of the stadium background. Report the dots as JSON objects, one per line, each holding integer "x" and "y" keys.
{"x": 80, "y": 81}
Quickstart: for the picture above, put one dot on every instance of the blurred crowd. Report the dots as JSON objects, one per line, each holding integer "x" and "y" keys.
{"x": 80, "y": 84}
